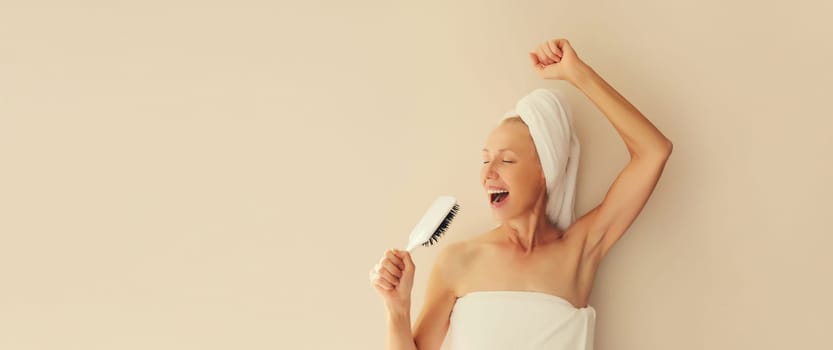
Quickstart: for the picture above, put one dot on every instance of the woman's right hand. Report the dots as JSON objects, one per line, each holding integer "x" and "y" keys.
{"x": 393, "y": 279}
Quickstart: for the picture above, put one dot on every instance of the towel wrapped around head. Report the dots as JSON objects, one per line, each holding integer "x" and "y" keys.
{"x": 549, "y": 121}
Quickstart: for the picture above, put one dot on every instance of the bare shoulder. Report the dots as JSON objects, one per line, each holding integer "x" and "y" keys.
{"x": 452, "y": 260}
{"x": 461, "y": 253}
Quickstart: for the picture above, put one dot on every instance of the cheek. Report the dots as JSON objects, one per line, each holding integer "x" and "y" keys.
{"x": 527, "y": 173}
{"x": 527, "y": 181}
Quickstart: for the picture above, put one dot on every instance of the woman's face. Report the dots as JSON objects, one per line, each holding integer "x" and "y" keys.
{"x": 512, "y": 169}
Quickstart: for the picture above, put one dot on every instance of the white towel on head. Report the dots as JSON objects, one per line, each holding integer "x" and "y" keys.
{"x": 549, "y": 120}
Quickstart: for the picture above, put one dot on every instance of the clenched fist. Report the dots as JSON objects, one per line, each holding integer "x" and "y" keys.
{"x": 555, "y": 59}
{"x": 393, "y": 279}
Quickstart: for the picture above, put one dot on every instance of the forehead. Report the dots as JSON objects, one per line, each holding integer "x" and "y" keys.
{"x": 511, "y": 135}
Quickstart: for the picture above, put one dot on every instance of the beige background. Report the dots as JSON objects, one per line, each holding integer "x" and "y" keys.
{"x": 222, "y": 175}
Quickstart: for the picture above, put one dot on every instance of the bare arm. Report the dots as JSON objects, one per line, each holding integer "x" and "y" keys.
{"x": 641, "y": 136}
{"x": 649, "y": 150}
{"x": 399, "y": 332}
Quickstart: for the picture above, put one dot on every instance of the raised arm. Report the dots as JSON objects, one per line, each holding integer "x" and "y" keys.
{"x": 649, "y": 149}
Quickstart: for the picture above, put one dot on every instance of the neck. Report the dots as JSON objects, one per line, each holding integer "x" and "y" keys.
{"x": 529, "y": 231}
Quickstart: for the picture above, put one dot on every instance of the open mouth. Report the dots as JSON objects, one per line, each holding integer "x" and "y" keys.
{"x": 499, "y": 197}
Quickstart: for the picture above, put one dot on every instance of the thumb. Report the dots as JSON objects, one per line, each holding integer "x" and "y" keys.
{"x": 406, "y": 257}
{"x": 564, "y": 45}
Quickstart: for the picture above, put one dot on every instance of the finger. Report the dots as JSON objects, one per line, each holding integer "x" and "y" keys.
{"x": 389, "y": 277}
{"x": 535, "y": 62}
{"x": 406, "y": 259}
{"x": 383, "y": 275}
{"x": 391, "y": 268}
{"x": 393, "y": 257}
{"x": 549, "y": 53}
{"x": 391, "y": 254}
{"x": 403, "y": 255}
{"x": 564, "y": 45}
{"x": 382, "y": 262}
{"x": 409, "y": 262}
{"x": 555, "y": 50}
{"x": 383, "y": 284}
{"x": 543, "y": 56}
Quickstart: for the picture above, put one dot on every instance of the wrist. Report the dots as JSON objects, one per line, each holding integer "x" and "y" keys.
{"x": 582, "y": 75}
{"x": 399, "y": 315}
{"x": 399, "y": 307}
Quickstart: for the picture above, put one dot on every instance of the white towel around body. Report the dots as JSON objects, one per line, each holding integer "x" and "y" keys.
{"x": 519, "y": 320}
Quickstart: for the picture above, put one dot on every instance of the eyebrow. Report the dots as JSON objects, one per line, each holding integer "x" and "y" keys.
{"x": 500, "y": 150}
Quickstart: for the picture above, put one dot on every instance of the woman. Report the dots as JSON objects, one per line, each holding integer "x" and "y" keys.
{"x": 526, "y": 283}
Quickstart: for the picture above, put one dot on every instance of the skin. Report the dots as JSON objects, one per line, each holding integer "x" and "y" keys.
{"x": 526, "y": 252}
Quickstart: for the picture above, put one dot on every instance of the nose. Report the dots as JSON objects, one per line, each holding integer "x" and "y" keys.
{"x": 490, "y": 170}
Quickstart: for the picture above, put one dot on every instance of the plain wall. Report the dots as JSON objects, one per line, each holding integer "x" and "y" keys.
{"x": 223, "y": 175}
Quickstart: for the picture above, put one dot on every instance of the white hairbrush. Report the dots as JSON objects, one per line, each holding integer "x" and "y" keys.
{"x": 434, "y": 223}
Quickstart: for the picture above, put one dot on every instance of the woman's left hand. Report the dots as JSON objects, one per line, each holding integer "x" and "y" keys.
{"x": 555, "y": 59}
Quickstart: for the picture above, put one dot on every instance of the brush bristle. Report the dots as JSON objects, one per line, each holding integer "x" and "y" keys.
{"x": 443, "y": 226}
